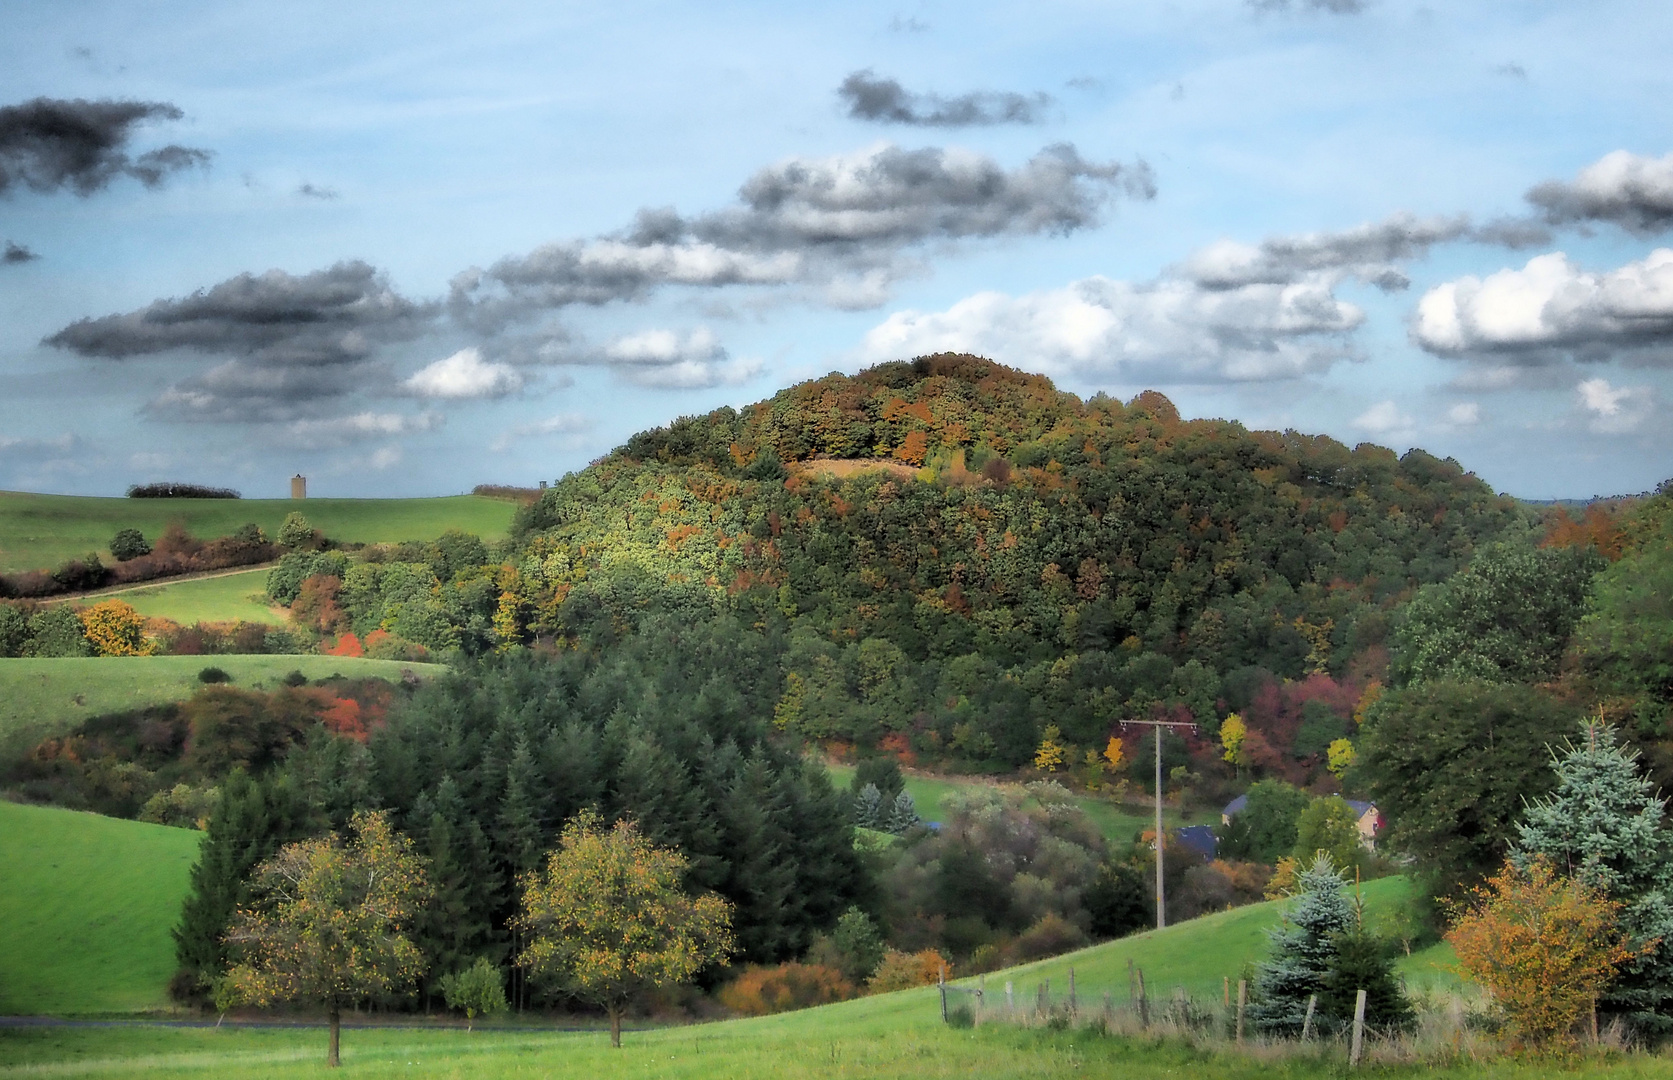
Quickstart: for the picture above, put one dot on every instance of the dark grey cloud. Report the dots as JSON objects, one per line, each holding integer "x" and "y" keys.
{"x": 1621, "y": 188}
{"x": 887, "y": 101}
{"x": 1333, "y": 7}
{"x": 314, "y": 191}
{"x": 842, "y": 224}
{"x": 1370, "y": 252}
{"x": 296, "y": 342}
{"x": 51, "y": 144}
{"x": 17, "y": 253}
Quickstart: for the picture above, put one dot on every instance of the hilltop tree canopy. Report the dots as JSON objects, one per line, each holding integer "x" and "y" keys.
{"x": 962, "y": 553}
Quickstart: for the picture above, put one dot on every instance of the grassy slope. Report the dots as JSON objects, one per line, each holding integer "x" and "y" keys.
{"x": 38, "y": 697}
{"x": 86, "y": 903}
{"x": 227, "y": 598}
{"x": 41, "y": 531}
{"x": 1118, "y": 822}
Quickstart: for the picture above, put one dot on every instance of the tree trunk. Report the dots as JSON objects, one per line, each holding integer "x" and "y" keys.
{"x": 331, "y": 1059}
{"x": 616, "y": 1026}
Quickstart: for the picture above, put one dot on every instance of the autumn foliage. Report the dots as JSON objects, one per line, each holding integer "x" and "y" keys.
{"x": 607, "y": 918}
{"x": 1544, "y": 945}
{"x": 329, "y": 923}
{"x": 901, "y": 970}
{"x": 783, "y": 987}
{"x": 114, "y": 628}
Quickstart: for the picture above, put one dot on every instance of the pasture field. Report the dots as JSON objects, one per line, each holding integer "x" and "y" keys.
{"x": 38, "y": 532}
{"x": 86, "y": 905}
{"x": 1119, "y": 822}
{"x": 891, "y": 1036}
{"x": 39, "y": 698}
{"x": 239, "y": 596}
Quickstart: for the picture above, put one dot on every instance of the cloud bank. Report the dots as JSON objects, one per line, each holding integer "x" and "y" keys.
{"x": 298, "y": 341}
{"x": 1622, "y": 188}
{"x": 52, "y": 144}
{"x": 1552, "y": 309}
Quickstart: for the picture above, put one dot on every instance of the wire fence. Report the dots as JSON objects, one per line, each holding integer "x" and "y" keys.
{"x": 1174, "y": 1011}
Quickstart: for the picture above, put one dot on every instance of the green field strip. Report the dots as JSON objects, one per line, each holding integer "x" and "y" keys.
{"x": 40, "y": 531}
{"x": 41, "y": 698}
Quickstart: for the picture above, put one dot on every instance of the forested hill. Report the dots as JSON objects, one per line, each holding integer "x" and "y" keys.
{"x": 957, "y": 553}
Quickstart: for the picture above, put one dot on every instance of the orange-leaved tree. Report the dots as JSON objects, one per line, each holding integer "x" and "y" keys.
{"x": 329, "y": 923}
{"x": 114, "y": 628}
{"x": 1544, "y": 945}
{"x": 607, "y": 918}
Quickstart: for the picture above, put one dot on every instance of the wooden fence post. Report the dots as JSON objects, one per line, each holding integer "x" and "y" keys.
{"x": 1109, "y": 1006}
{"x": 941, "y": 981}
{"x": 981, "y": 997}
{"x": 1073, "y": 1004}
{"x": 1359, "y": 1030}
{"x": 1242, "y": 1000}
{"x": 1144, "y": 1002}
{"x": 1226, "y": 990}
{"x": 1042, "y": 1003}
{"x": 1010, "y": 1002}
{"x": 1307, "y": 1021}
{"x": 1132, "y": 987}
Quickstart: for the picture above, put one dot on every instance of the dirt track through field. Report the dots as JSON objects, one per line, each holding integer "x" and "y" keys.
{"x": 157, "y": 583}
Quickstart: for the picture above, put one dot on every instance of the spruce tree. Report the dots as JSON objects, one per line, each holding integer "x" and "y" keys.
{"x": 1365, "y": 962}
{"x": 903, "y": 815}
{"x": 868, "y": 808}
{"x": 1304, "y": 948}
{"x": 1606, "y": 826}
{"x": 250, "y": 822}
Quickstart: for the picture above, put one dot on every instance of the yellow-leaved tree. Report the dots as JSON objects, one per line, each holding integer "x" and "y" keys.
{"x": 1051, "y": 753}
{"x": 329, "y": 923}
{"x": 1114, "y": 753}
{"x": 1543, "y": 945}
{"x": 607, "y": 918}
{"x": 114, "y": 628}
{"x": 1233, "y": 732}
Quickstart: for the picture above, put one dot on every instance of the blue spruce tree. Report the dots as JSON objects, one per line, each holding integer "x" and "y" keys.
{"x": 1303, "y": 951}
{"x": 868, "y": 809}
{"x": 903, "y": 815}
{"x": 1606, "y": 826}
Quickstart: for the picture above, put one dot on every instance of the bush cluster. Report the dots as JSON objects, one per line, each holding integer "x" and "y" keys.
{"x": 172, "y": 490}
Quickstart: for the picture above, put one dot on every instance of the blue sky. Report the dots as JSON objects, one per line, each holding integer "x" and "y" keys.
{"x": 409, "y": 249}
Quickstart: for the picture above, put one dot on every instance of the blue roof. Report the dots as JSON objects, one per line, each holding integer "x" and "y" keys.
{"x": 1236, "y": 806}
{"x": 1199, "y": 838}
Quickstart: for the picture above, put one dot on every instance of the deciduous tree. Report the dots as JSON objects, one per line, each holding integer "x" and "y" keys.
{"x": 607, "y": 919}
{"x": 329, "y": 923}
{"x": 1544, "y": 945}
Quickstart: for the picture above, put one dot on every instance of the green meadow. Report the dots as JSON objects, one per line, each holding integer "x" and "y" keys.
{"x": 239, "y": 596}
{"x": 1119, "y": 822}
{"x": 86, "y": 904}
{"x": 40, "y": 531}
{"x": 39, "y": 698}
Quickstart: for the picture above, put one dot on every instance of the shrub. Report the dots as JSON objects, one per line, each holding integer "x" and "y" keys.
{"x": 56, "y": 631}
{"x": 171, "y": 490}
{"x": 900, "y": 970}
{"x": 1545, "y": 947}
{"x": 183, "y": 806}
{"x": 213, "y": 675}
{"x": 295, "y": 532}
{"x": 1051, "y": 935}
{"x": 347, "y": 645}
{"x": 114, "y": 628}
{"x": 479, "y": 990}
{"x": 129, "y": 544}
{"x": 295, "y": 678}
{"x": 76, "y": 575}
{"x": 781, "y": 988}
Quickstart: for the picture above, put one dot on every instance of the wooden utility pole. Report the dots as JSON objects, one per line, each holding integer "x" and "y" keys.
{"x": 1156, "y": 727}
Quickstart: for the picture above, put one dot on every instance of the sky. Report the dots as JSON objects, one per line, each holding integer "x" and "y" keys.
{"x": 409, "y": 249}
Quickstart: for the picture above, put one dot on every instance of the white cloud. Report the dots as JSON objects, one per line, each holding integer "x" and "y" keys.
{"x": 464, "y": 375}
{"x": 1384, "y": 419}
{"x": 696, "y": 374}
{"x": 343, "y": 430}
{"x": 1167, "y": 331}
{"x": 659, "y": 347}
{"x": 1549, "y": 307}
{"x": 1612, "y": 410}
{"x": 566, "y": 424}
{"x": 1628, "y": 189}
{"x": 1464, "y": 414}
{"x": 385, "y": 456}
